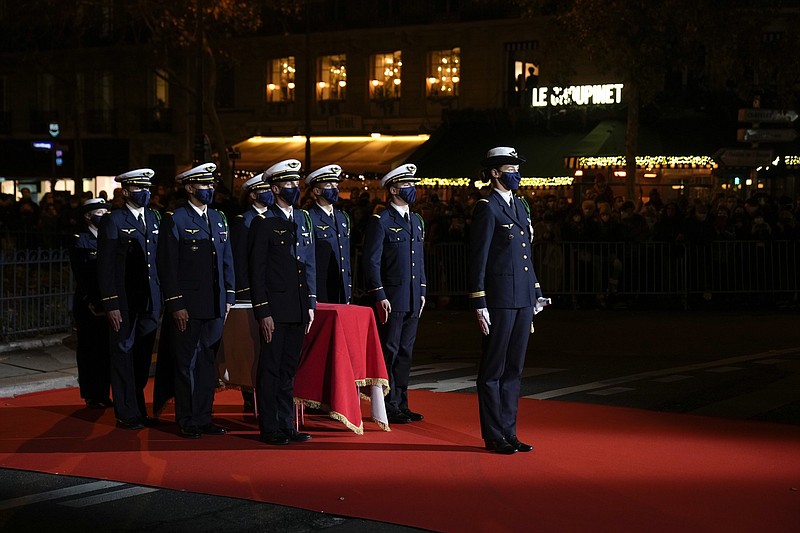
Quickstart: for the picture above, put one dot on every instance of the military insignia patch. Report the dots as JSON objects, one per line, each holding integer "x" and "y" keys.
{"x": 192, "y": 231}
{"x": 128, "y": 230}
{"x": 507, "y": 226}
{"x": 396, "y": 230}
{"x": 323, "y": 227}
{"x": 280, "y": 231}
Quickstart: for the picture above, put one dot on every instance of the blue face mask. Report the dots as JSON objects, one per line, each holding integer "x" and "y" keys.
{"x": 266, "y": 198}
{"x": 96, "y": 220}
{"x": 331, "y": 195}
{"x": 510, "y": 180}
{"x": 290, "y": 195}
{"x": 204, "y": 196}
{"x": 408, "y": 194}
{"x": 140, "y": 198}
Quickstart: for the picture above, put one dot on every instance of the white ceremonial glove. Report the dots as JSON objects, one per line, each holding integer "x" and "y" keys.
{"x": 483, "y": 319}
{"x": 540, "y": 304}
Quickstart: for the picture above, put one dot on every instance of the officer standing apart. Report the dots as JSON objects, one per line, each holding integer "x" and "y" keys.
{"x": 94, "y": 371}
{"x": 261, "y": 198}
{"x": 504, "y": 291}
{"x": 331, "y": 237}
{"x": 196, "y": 267}
{"x": 283, "y": 291}
{"x": 127, "y": 241}
{"x": 395, "y": 272}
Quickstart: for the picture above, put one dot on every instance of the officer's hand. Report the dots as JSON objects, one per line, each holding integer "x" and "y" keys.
{"x": 384, "y": 308}
{"x": 181, "y": 318}
{"x": 483, "y": 319}
{"x": 266, "y": 326}
{"x": 310, "y": 320}
{"x": 227, "y": 310}
{"x": 115, "y": 319}
{"x": 421, "y": 304}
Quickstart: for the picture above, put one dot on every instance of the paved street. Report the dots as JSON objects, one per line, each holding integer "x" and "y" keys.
{"x": 742, "y": 364}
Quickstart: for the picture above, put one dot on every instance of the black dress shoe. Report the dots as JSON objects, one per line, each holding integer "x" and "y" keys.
{"x": 190, "y": 432}
{"x": 500, "y": 446}
{"x": 277, "y": 439}
{"x": 415, "y": 417}
{"x": 296, "y": 436}
{"x": 149, "y": 421}
{"x": 107, "y": 402}
{"x": 129, "y": 423}
{"x": 399, "y": 418}
{"x": 95, "y": 404}
{"x": 212, "y": 429}
{"x": 520, "y": 446}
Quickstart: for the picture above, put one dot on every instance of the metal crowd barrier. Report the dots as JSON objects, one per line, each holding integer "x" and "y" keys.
{"x": 573, "y": 270}
{"x": 36, "y": 285}
{"x": 36, "y": 288}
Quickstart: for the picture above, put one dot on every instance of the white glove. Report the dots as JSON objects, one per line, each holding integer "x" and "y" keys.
{"x": 483, "y": 319}
{"x": 540, "y": 304}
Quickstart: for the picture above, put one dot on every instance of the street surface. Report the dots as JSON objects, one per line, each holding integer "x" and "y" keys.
{"x": 733, "y": 363}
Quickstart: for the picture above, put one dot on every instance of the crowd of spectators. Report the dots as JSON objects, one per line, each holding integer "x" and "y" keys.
{"x": 600, "y": 216}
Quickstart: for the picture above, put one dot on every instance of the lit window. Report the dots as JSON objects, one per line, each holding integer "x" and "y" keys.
{"x": 331, "y": 77}
{"x": 386, "y": 70}
{"x": 444, "y": 73}
{"x": 280, "y": 80}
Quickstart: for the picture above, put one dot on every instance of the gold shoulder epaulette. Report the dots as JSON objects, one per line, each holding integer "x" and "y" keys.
{"x": 483, "y": 200}
{"x": 376, "y": 215}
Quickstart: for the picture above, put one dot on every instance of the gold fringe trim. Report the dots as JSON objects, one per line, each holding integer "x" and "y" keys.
{"x": 381, "y": 425}
{"x": 343, "y": 419}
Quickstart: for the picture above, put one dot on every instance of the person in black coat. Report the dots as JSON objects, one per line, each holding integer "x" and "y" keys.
{"x": 505, "y": 293}
{"x": 195, "y": 263}
{"x": 261, "y": 198}
{"x": 331, "y": 237}
{"x": 283, "y": 292}
{"x": 394, "y": 265}
{"x": 92, "y": 355}
{"x": 127, "y": 241}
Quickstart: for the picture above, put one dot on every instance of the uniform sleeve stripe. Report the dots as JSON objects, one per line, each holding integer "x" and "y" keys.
{"x": 173, "y": 298}
{"x": 479, "y": 294}
{"x": 375, "y": 290}
{"x": 259, "y": 305}
{"x": 109, "y": 298}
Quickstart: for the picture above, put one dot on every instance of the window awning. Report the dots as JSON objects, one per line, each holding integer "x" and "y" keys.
{"x": 355, "y": 154}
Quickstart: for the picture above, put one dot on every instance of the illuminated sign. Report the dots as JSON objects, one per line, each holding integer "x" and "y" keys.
{"x": 577, "y": 95}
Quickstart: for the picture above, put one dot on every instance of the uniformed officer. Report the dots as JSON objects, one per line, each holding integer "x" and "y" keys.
{"x": 261, "y": 198}
{"x": 331, "y": 237}
{"x": 503, "y": 290}
{"x": 196, "y": 266}
{"x": 395, "y": 277}
{"x": 129, "y": 286}
{"x": 94, "y": 371}
{"x": 283, "y": 291}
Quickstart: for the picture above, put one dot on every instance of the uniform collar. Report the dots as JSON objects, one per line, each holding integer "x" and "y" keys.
{"x": 93, "y": 230}
{"x": 261, "y": 210}
{"x": 287, "y": 212}
{"x": 328, "y": 210}
{"x": 506, "y": 195}
{"x": 402, "y": 209}
{"x": 135, "y": 210}
{"x": 197, "y": 210}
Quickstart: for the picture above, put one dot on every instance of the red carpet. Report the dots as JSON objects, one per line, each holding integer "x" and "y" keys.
{"x": 594, "y": 468}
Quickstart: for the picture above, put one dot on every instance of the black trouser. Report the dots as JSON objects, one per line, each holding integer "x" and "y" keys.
{"x": 92, "y": 356}
{"x": 131, "y": 355}
{"x": 277, "y": 366}
{"x": 500, "y": 371}
{"x": 195, "y": 369}
{"x": 398, "y": 336}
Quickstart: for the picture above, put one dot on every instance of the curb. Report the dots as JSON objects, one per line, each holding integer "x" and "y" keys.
{"x": 59, "y": 381}
{"x": 32, "y": 344}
